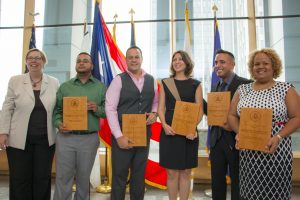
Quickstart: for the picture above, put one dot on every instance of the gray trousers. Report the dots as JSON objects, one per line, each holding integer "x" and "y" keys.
{"x": 75, "y": 155}
{"x": 123, "y": 159}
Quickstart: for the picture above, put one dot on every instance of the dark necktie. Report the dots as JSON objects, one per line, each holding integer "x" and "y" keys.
{"x": 221, "y": 88}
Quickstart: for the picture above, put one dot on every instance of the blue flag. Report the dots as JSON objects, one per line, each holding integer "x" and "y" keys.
{"x": 214, "y": 78}
{"x": 99, "y": 52}
{"x": 217, "y": 46}
{"x": 32, "y": 39}
{"x": 31, "y": 43}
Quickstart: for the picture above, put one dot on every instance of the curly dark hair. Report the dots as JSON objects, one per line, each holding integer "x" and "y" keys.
{"x": 275, "y": 59}
{"x": 187, "y": 60}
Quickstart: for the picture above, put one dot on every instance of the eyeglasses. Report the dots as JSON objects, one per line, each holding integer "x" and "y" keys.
{"x": 84, "y": 61}
{"x": 34, "y": 58}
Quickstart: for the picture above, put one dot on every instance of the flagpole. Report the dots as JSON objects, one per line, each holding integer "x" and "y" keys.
{"x": 28, "y": 21}
{"x": 32, "y": 42}
{"x": 114, "y": 28}
{"x": 85, "y": 27}
{"x": 215, "y": 9}
{"x": 208, "y": 192}
{"x": 131, "y": 12}
{"x": 133, "y": 39}
{"x": 251, "y": 25}
{"x": 172, "y": 28}
{"x": 105, "y": 53}
{"x": 106, "y": 187}
{"x": 187, "y": 32}
{"x": 188, "y": 48}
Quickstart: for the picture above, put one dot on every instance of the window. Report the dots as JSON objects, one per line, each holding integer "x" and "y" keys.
{"x": 11, "y": 40}
{"x": 60, "y": 35}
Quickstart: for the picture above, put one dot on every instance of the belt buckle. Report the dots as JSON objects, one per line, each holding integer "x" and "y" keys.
{"x": 76, "y": 132}
{"x": 82, "y": 132}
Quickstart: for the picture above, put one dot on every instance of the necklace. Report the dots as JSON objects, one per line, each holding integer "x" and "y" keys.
{"x": 34, "y": 83}
{"x": 263, "y": 86}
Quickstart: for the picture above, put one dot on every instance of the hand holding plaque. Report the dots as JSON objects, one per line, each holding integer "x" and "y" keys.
{"x": 75, "y": 113}
{"x": 218, "y": 104}
{"x": 185, "y": 118}
{"x": 134, "y": 127}
{"x": 255, "y": 128}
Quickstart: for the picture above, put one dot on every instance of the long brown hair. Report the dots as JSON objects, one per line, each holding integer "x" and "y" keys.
{"x": 187, "y": 60}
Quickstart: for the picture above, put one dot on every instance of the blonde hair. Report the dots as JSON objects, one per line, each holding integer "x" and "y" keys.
{"x": 43, "y": 55}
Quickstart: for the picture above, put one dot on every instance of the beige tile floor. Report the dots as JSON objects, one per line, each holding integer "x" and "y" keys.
{"x": 151, "y": 193}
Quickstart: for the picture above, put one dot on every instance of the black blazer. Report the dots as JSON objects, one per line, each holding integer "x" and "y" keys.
{"x": 229, "y": 136}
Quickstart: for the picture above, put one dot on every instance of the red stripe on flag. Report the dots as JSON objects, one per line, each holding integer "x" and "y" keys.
{"x": 156, "y": 129}
{"x": 155, "y": 175}
{"x": 114, "y": 51}
{"x": 105, "y": 132}
{"x": 119, "y": 59}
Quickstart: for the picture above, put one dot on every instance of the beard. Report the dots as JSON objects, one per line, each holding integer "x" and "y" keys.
{"x": 83, "y": 72}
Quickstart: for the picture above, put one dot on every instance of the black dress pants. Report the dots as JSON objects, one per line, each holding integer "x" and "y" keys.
{"x": 30, "y": 169}
{"x": 134, "y": 159}
{"x": 223, "y": 155}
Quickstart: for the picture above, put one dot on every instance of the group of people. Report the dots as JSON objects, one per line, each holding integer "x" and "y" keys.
{"x": 33, "y": 110}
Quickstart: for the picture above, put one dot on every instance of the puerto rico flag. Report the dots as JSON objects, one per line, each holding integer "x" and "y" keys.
{"x": 108, "y": 62}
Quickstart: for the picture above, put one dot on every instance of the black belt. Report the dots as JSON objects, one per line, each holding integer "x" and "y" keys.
{"x": 82, "y": 132}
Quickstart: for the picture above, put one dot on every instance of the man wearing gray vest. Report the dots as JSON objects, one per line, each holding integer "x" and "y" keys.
{"x": 131, "y": 92}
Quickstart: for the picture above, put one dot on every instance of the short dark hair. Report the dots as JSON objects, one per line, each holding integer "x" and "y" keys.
{"x": 225, "y": 52}
{"x": 134, "y": 47}
{"x": 86, "y": 53}
{"x": 188, "y": 62}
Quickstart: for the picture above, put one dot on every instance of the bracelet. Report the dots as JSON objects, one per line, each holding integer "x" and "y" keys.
{"x": 155, "y": 113}
{"x": 279, "y": 137}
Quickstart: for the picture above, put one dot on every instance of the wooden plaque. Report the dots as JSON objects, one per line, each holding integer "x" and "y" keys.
{"x": 255, "y": 128}
{"x": 134, "y": 127}
{"x": 75, "y": 113}
{"x": 218, "y": 104}
{"x": 185, "y": 118}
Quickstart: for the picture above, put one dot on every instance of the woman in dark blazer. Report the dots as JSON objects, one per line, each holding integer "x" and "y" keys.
{"x": 27, "y": 132}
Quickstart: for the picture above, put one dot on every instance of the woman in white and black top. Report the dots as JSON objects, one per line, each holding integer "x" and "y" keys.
{"x": 26, "y": 130}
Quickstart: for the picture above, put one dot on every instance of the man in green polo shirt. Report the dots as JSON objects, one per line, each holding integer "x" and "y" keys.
{"x": 76, "y": 150}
